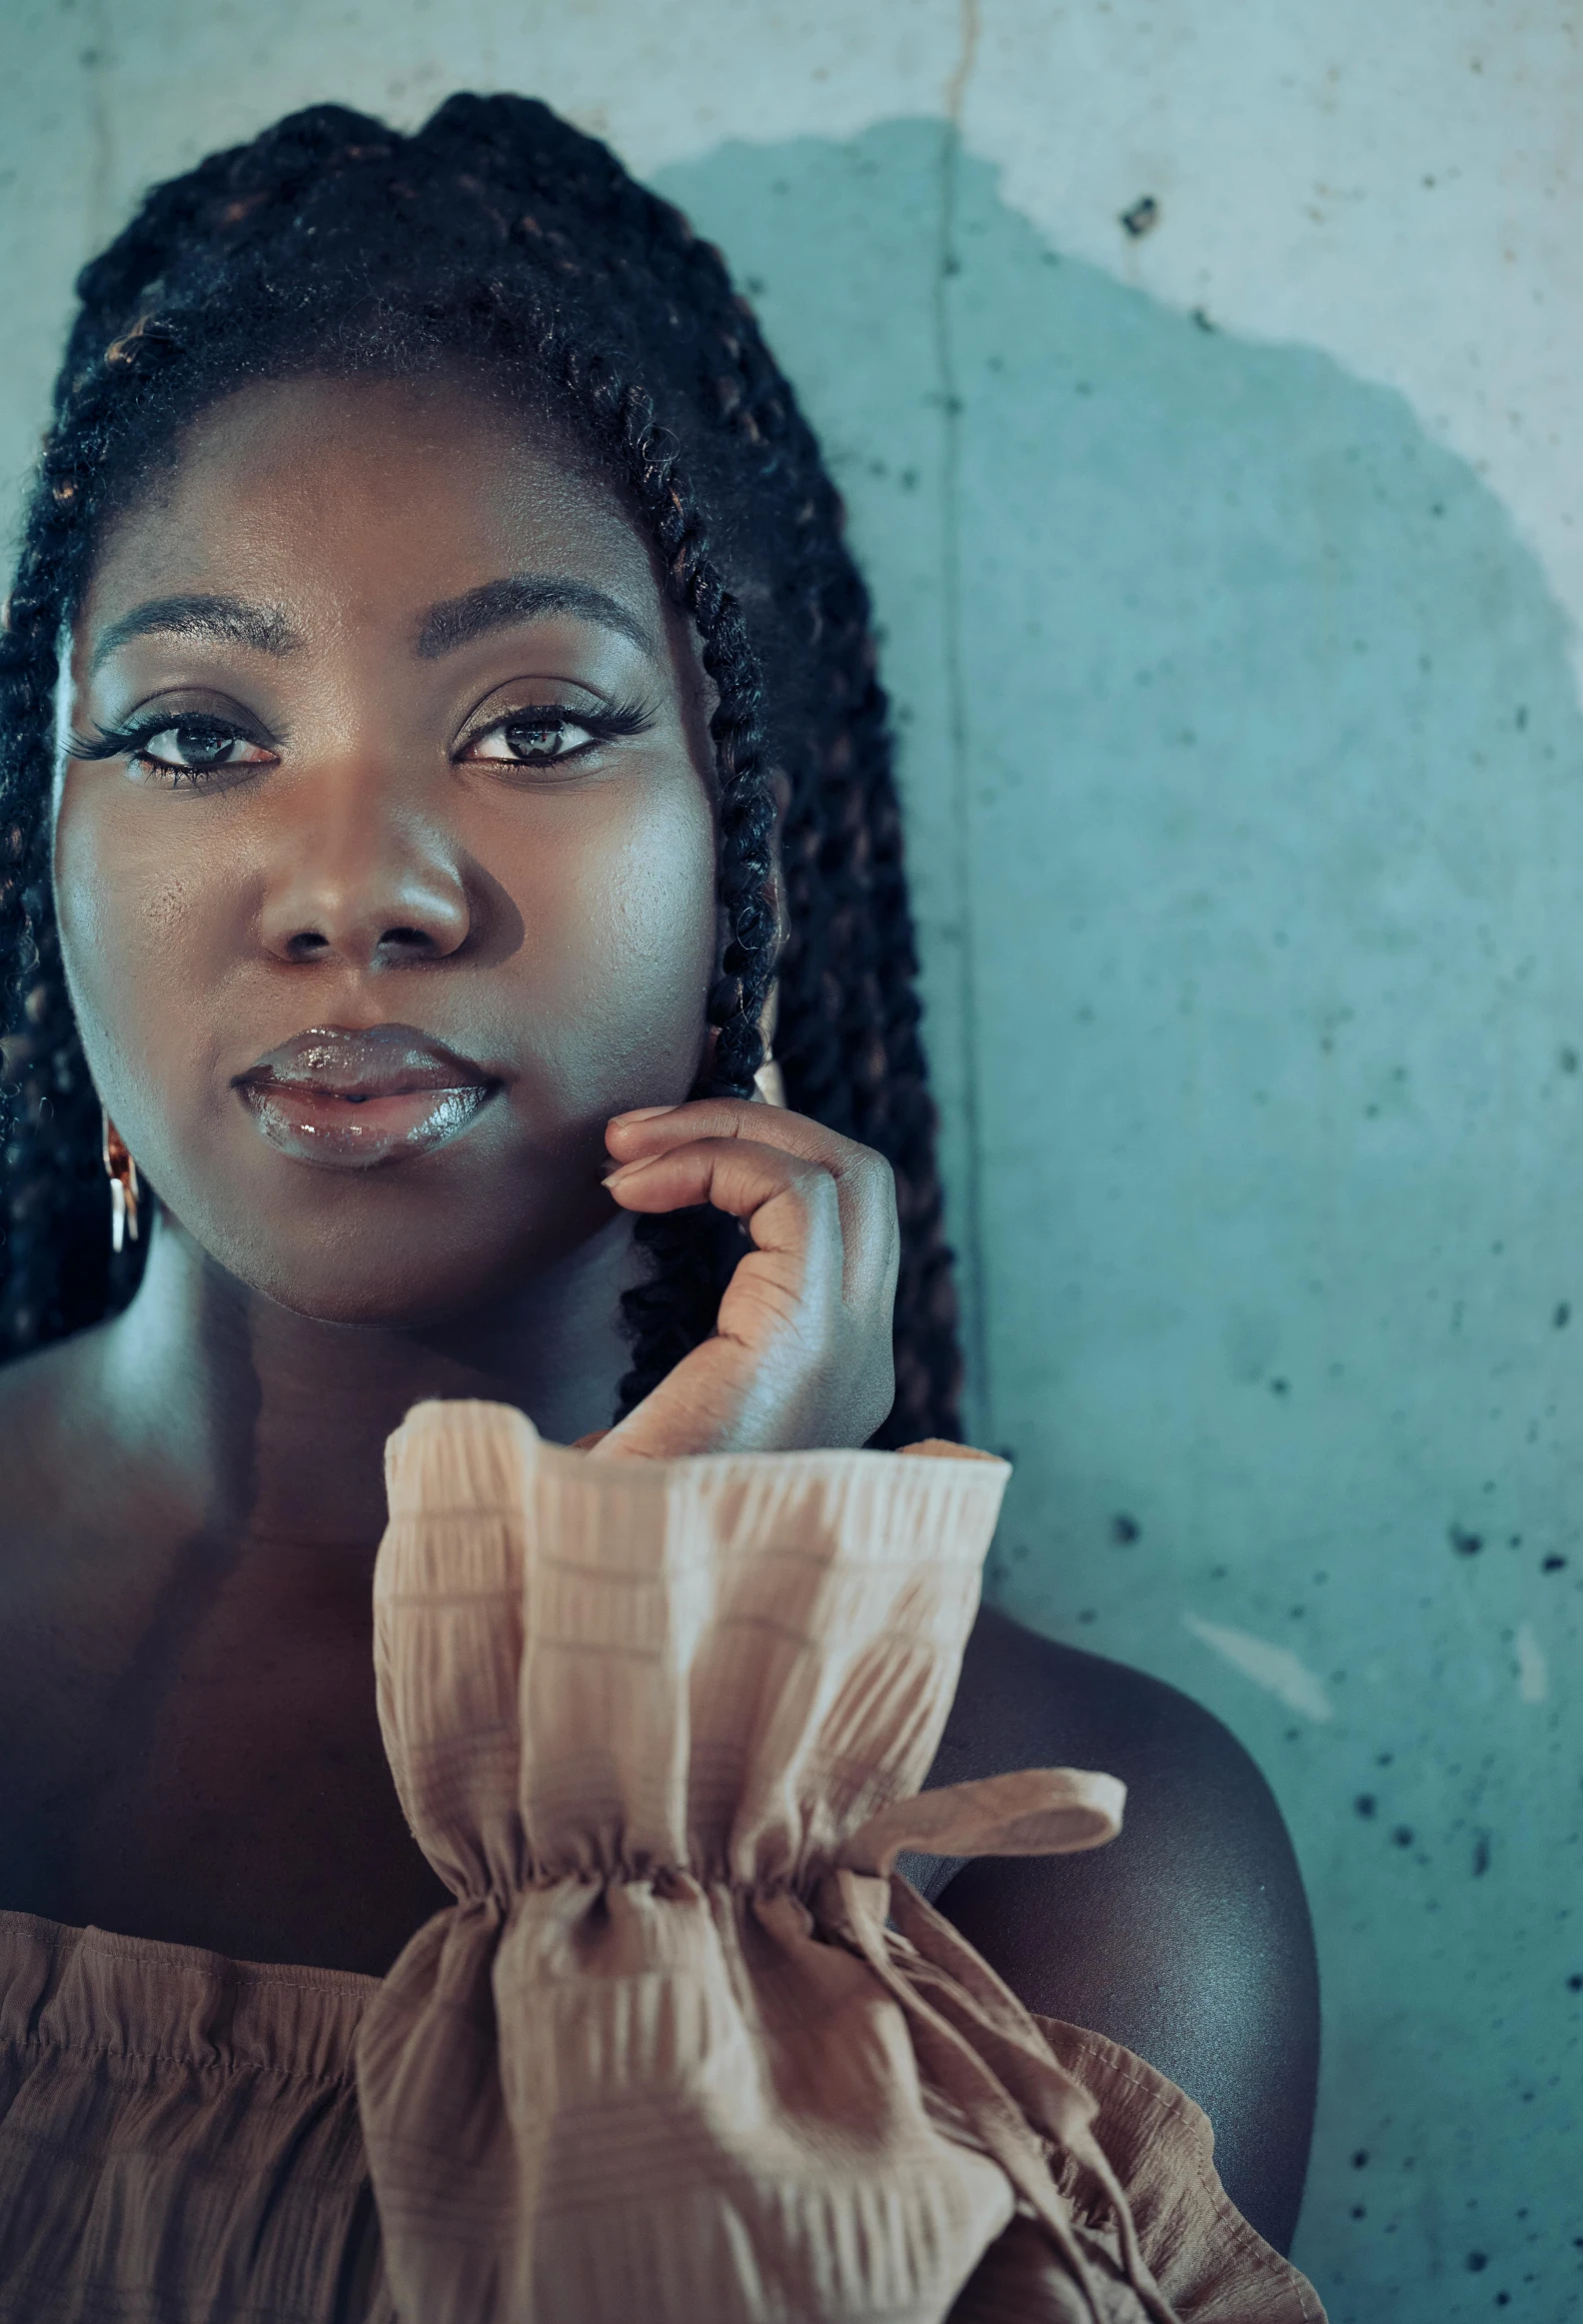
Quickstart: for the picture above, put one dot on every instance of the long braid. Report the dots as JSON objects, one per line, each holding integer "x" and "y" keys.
{"x": 691, "y": 1255}
{"x": 58, "y": 1271}
{"x": 500, "y": 234}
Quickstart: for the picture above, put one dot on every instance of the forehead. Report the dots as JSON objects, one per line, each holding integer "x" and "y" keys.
{"x": 363, "y": 499}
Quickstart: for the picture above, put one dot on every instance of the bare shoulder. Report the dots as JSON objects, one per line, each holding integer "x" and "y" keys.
{"x": 1189, "y": 1938}
{"x": 59, "y": 1513}
{"x": 44, "y": 1432}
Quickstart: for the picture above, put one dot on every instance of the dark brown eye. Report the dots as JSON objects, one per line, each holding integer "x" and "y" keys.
{"x": 532, "y": 738}
{"x": 202, "y": 746}
{"x": 199, "y": 747}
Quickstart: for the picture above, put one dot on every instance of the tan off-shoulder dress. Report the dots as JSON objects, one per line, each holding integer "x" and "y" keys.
{"x": 684, "y": 2050}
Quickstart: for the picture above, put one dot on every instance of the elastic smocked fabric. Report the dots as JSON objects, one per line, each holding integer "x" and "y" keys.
{"x": 683, "y": 2045}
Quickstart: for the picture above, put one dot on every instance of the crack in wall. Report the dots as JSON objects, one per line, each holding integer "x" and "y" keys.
{"x": 94, "y": 62}
{"x": 947, "y": 265}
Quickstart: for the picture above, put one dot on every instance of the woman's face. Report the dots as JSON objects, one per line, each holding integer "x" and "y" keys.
{"x": 425, "y": 779}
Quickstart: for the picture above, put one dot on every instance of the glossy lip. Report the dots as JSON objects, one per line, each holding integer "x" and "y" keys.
{"x": 351, "y": 1098}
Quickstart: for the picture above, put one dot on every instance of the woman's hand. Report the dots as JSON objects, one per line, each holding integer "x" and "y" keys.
{"x": 801, "y": 1351}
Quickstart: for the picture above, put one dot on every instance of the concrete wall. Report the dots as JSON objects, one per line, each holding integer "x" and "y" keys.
{"x": 1230, "y": 576}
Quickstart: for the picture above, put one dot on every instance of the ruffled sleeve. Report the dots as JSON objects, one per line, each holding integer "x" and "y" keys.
{"x": 683, "y": 2047}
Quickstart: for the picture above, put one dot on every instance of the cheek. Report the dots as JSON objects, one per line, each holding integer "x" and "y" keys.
{"x": 131, "y": 917}
{"x": 619, "y": 944}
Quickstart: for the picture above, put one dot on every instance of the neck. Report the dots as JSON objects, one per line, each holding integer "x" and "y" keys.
{"x": 273, "y": 1424}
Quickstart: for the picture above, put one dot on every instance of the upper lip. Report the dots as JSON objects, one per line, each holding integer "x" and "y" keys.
{"x": 374, "y": 1061}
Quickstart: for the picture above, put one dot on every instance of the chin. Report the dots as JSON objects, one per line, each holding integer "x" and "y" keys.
{"x": 384, "y": 1273}
{"x": 357, "y": 1302}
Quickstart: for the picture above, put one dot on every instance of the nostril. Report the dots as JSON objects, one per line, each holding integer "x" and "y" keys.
{"x": 407, "y": 940}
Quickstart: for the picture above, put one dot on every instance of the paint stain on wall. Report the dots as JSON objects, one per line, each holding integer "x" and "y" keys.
{"x": 1244, "y": 784}
{"x": 1533, "y": 1671}
{"x": 1276, "y": 1668}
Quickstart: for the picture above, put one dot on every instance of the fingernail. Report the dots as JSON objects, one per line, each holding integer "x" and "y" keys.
{"x": 640, "y": 1114}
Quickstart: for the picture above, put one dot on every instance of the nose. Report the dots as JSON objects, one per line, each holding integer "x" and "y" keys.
{"x": 365, "y": 883}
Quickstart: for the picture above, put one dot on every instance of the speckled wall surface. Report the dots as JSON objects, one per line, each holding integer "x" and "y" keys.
{"x": 1244, "y": 778}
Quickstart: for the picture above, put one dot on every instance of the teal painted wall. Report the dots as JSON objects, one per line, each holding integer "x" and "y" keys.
{"x": 1245, "y": 781}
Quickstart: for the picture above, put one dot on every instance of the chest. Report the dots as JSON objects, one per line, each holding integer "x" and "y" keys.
{"x": 200, "y": 1761}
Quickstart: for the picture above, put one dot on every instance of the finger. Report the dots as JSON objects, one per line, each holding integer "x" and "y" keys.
{"x": 793, "y": 1277}
{"x": 650, "y": 1128}
{"x": 863, "y": 1180}
{"x": 782, "y": 1310}
{"x": 735, "y": 1174}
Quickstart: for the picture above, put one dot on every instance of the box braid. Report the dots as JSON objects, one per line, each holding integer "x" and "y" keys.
{"x": 499, "y": 237}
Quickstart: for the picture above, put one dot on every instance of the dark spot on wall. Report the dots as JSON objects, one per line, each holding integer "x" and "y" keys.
{"x": 1124, "y": 1530}
{"x": 1365, "y": 1804}
{"x": 1553, "y": 1563}
{"x": 1563, "y": 1314}
{"x": 1477, "y": 2262}
{"x": 1575, "y": 1985}
{"x": 1569, "y": 1061}
{"x": 1402, "y": 1836}
{"x": 1360, "y": 2159}
{"x": 1202, "y": 319}
{"x": 1280, "y": 1388}
{"x": 1358, "y": 2211}
{"x": 1481, "y": 1856}
{"x": 1142, "y": 218}
{"x": 1465, "y": 1544}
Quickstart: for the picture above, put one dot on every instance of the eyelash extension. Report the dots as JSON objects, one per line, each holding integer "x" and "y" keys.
{"x": 124, "y": 742}
{"x": 617, "y": 724}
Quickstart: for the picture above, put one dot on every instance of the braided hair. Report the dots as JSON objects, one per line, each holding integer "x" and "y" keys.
{"x": 498, "y": 238}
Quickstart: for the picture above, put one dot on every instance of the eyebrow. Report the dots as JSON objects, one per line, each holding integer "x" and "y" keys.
{"x": 452, "y": 623}
{"x": 264, "y": 628}
{"x": 522, "y": 596}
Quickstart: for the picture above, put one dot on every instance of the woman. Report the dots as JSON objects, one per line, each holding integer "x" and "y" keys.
{"x": 442, "y": 741}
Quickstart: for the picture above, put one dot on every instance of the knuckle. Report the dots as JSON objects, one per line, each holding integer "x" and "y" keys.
{"x": 876, "y": 1175}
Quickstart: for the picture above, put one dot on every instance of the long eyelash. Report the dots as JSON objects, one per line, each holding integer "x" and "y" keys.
{"x": 125, "y": 741}
{"x": 621, "y": 719}
{"x": 113, "y": 742}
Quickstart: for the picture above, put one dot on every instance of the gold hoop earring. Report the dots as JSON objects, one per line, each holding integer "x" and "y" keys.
{"x": 770, "y": 1082}
{"x": 122, "y": 1171}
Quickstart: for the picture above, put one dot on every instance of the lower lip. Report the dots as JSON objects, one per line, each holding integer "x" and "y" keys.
{"x": 345, "y": 1134}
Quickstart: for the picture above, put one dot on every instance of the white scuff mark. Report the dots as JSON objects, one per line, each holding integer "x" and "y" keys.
{"x": 1533, "y": 1671}
{"x": 1276, "y": 1668}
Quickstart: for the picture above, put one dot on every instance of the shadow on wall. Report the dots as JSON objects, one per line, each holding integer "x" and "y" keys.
{"x": 1243, "y": 768}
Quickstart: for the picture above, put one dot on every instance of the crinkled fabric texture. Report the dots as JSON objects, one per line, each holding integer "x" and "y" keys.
{"x": 683, "y": 2047}
{"x": 179, "y": 2137}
